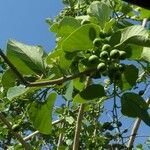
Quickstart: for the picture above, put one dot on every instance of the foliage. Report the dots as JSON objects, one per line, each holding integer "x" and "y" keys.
{"x": 101, "y": 54}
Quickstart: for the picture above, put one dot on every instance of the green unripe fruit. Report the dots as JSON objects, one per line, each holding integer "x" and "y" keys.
{"x": 93, "y": 58}
{"x": 106, "y": 47}
{"x": 97, "y": 42}
{"x": 101, "y": 67}
{"x": 123, "y": 55}
{"x": 114, "y": 54}
{"x": 104, "y": 55}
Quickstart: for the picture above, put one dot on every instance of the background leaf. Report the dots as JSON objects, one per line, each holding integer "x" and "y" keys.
{"x": 92, "y": 92}
{"x": 41, "y": 114}
{"x": 133, "y": 105}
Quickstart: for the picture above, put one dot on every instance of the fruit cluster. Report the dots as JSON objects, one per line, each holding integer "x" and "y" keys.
{"x": 108, "y": 60}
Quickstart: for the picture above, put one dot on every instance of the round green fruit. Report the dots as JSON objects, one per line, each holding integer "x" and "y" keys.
{"x": 97, "y": 42}
{"x": 104, "y": 55}
{"x": 93, "y": 58}
{"x": 106, "y": 47}
{"x": 101, "y": 67}
{"x": 123, "y": 55}
{"x": 114, "y": 54}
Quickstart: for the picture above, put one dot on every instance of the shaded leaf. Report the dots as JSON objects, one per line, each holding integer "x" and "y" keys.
{"x": 92, "y": 92}
{"x": 133, "y": 105}
{"x": 129, "y": 76}
{"x": 41, "y": 114}
{"x": 8, "y": 79}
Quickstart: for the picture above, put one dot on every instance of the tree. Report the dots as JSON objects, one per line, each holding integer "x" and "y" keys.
{"x": 101, "y": 54}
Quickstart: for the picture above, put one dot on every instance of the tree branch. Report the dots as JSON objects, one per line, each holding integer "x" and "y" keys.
{"x": 79, "y": 121}
{"x": 135, "y": 129}
{"x": 16, "y": 135}
{"x": 44, "y": 83}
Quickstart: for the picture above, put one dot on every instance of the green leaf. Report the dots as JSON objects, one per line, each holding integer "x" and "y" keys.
{"x": 16, "y": 91}
{"x": 58, "y": 56}
{"x": 133, "y": 105}
{"x": 144, "y": 13}
{"x": 8, "y": 79}
{"x": 67, "y": 25}
{"x": 92, "y": 92}
{"x": 69, "y": 91}
{"x": 81, "y": 39}
{"x": 146, "y": 54}
{"x": 134, "y": 35}
{"x": 79, "y": 83}
{"x": 129, "y": 77}
{"x": 41, "y": 114}
{"x": 70, "y": 120}
{"x": 101, "y": 11}
{"x": 27, "y": 59}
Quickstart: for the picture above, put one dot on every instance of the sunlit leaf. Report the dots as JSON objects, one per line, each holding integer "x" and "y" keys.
{"x": 101, "y": 11}
{"x": 27, "y": 59}
{"x": 81, "y": 39}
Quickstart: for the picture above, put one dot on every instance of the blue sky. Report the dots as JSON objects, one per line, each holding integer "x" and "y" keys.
{"x": 24, "y": 21}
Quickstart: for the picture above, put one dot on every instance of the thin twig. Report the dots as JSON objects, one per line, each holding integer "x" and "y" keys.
{"x": 62, "y": 79}
{"x": 25, "y": 145}
{"x": 79, "y": 121}
{"x": 37, "y": 132}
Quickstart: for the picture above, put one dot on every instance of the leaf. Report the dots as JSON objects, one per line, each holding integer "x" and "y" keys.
{"x": 41, "y": 114}
{"x": 27, "y": 59}
{"x": 101, "y": 11}
{"x": 134, "y": 35}
{"x": 69, "y": 91}
{"x": 81, "y": 39}
{"x": 129, "y": 76}
{"x": 58, "y": 56}
{"x": 79, "y": 83}
{"x": 67, "y": 25}
{"x": 8, "y": 79}
{"x": 92, "y": 92}
{"x": 133, "y": 105}
{"x": 70, "y": 120}
{"x": 146, "y": 54}
{"x": 16, "y": 91}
